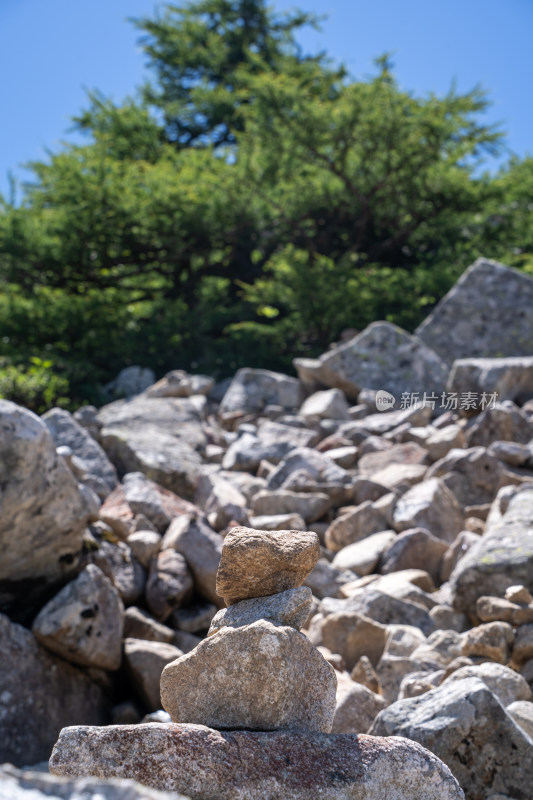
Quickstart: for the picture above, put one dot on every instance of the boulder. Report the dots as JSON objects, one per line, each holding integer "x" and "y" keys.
{"x": 201, "y": 547}
{"x": 383, "y": 357}
{"x": 503, "y": 422}
{"x": 247, "y": 765}
{"x": 317, "y": 466}
{"x": 351, "y": 635}
{"x": 502, "y": 557}
{"x": 473, "y": 475}
{"x": 41, "y": 694}
{"x": 508, "y": 686}
{"x": 170, "y": 583}
{"x": 130, "y": 381}
{"x": 429, "y": 505}
{"x": 522, "y": 713}
{"x": 465, "y": 725}
{"x": 363, "y": 557}
{"x": 357, "y": 523}
{"x": 145, "y": 661}
{"x": 178, "y": 383}
{"x": 138, "y": 624}
{"x": 259, "y": 677}
{"x": 325, "y": 580}
{"x": 159, "y": 437}
{"x": 290, "y": 608}
{"x": 492, "y": 640}
{"x": 382, "y": 607}
{"x": 496, "y": 378}
{"x": 357, "y": 707}
{"x": 117, "y": 561}
{"x": 67, "y": 432}
{"x": 43, "y": 512}
{"x": 260, "y": 563}
{"x": 487, "y": 313}
{"x": 310, "y": 506}
{"x": 83, "y": 623}
{"x": 157, "y": 504}
{"x": 144, "y": 545}
{"x": 415, "y": 548}
{"x": 329, "y": 404}
{"x": 251, "y": 390}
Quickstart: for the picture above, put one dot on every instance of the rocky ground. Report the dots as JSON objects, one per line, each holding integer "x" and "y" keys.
{"x": 112, "y": 524}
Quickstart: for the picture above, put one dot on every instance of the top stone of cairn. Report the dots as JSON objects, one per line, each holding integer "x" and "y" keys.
{"x": 261, "y": 563}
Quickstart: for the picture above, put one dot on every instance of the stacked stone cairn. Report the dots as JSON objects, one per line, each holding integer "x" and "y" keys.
{"x": 252, "y": 706}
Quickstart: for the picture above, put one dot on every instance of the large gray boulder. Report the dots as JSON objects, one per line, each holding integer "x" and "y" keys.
{"x": 160, "y": 437}
{"x": 40, "y": 694}
{"x": 488, "y": 313}
{"x": 464, "y": 724}
{"x": 43, "y": 512}
{"x": 507, "y": 378}
{"x": 246, "y": 765}
{"x": 67, "y": 432}
{"x": 384, "y": 357}
{"x": 502, "y": 557}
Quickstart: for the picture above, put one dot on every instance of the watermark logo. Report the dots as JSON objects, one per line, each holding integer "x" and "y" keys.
{"x": 384, "y": 400}
{"x": 447, "y": 401}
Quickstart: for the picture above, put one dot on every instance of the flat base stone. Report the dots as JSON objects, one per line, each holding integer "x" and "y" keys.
{"x": 206, "y": 764}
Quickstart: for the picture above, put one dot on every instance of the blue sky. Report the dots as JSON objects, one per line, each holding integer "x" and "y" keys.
{"x": 52, "y": 50}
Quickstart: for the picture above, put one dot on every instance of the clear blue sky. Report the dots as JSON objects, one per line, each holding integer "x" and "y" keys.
{"x": 52, "y": 50}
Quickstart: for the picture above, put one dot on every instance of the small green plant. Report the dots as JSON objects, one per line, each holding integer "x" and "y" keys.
{"x": 34, "y": 385}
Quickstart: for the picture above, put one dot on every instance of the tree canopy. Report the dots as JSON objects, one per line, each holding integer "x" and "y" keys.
{"x": 248, "y": 206}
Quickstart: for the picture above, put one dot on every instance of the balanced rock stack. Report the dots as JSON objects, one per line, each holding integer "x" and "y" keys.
{"x": 255, "y": 670}
{"x": 253, "y": 704}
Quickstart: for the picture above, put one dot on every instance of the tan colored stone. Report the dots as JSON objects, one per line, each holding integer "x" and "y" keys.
{"x": 429, "y": 505}
{"x": 490, "y": 609}
{"x": 357, "y": 706}
{"x": 145, "y": 662}
{"x": 260, "y": 677}
{"x": 364, "y": 673}
{"x": 260, "y": 563}
{"x": 351, "y": 635}
{"x": 492, "y": 640}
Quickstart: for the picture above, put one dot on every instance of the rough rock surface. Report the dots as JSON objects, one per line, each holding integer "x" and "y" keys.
{"x": 159, "y": 437}
{"x": 83, "y": 623}
{"x": 357, "y": 706}
{"x": 432, "y": 506}
{"x": 144, "y": 662}
{"x": 260, "y": 563}
{"x": 18, "y": 784}
{"x": 40, "y": 694}
{"x": 253, "y": 389}
{"x": 66, "y": 431}
{"x": 508, "y": 378}
{"x": 243, "y": 765}
{"x": 284, "y": 608}
{"x": 503, "y": 556}
{"x": 201, "y": 547}
{"x": 260, "y": 677}
{"x": 384, "y": 357}
{"x": 43, "y": 512}
{"x": 465, "y": 725}
{"x": 487, "y": 313}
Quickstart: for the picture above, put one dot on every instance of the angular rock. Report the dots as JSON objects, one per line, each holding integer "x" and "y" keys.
{"x": 439, "y": 443}
{"x": 523, "y": 644}
{"x": 364, "y": 673}
{"x": 415, "y": 548}
{"x": 308, "y": 505}
{"x": 178, "y": 383}
{"x": 351, "y": 635}
{"x": 138, "y": 624}
{"x": 325, "y": 580}
{"x": 195, "y": 618}
{"x": 260, "y": 563}
{"x": 502, "y": 557}
{"x": 496, "y": 609}
{"x": 505, "y": 683}
{"x": 43, "y": 513}
{"x": 521, "y": 712}
{"x": 202, "y": 548}
{"x": 456, "y": 551}
{"x": 40, "y": 694}
{"x": 117, "y": 561}
{"x": 260, "y": 677}
{"x": 357, "y": 707}
{"x": 83, "y": 623}
{"x": 159, "y": 437}
{"x": 363, "y": 557}
{"x": 429, "y": 505}
{"x": 278, "y": 522}
{"x": 492, "y": 640}
{"x": 251, "y": 390}
{"x": 474, "y": 476}
{"x": 66, "y": 431}
{"x": 290, "y": 608}
{"x": 503, "y": 422}
{"x": 407, "y": 453}
{"x": 244, "y": 765}
{"x": 487, "y": 313}
{"x": 506, "y": 378}
{"x": 384, "y": 357}
{"x": 383, "y": 607}
{"x": 130, "y": 381}
{"x": 170, "y": 583}
{"x": 157, "y": 504}
{"x": 221, "y": 501}
{"x": 355, "y": 525}
{"x": 144, "y": 545}
{"x": 317, "y": 466}
{"x": 329, "y": 404}
{"x": 464, "y": 724}
{"x": 145, "y": 661}
{"x": 385, "y": 421}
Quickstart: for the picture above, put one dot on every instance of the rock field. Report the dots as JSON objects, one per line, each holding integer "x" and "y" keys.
{"x": 240, "y": 591}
